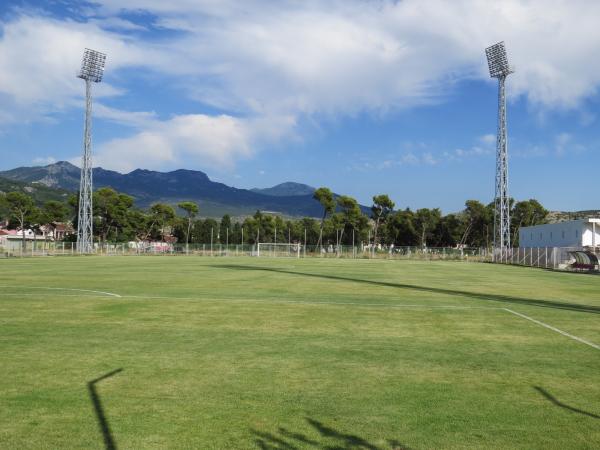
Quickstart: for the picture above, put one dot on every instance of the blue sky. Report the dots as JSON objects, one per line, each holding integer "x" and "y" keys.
{"x": 365, "y": 97}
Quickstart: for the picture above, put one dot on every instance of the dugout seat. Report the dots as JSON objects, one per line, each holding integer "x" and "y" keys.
{"x": 584, "y": 260}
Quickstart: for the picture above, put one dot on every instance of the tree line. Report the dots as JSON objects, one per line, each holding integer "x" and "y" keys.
{"x": 342, "y": 222}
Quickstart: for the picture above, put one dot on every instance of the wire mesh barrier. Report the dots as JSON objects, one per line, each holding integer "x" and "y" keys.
{"x": 261, "y": 250}
{"x": 393, "y": 252}
{"x": 18, "y": 248}
{"x": 558, "y": 258}
{"x": 278, "y": 250}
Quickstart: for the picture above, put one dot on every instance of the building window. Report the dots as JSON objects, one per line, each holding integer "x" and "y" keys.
{"x": 551, "y": 235}
{"x": 563, "y": 234}
{"x": 540, "y": 236}
{"x": 576, "y": 233}
{"x": 532, "y": 236}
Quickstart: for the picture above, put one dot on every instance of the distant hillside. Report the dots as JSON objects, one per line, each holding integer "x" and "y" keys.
{"x": 147, "y": 187}
{"x": 288, "y": 189}
{"x": 561, "y": 216}
{"x": 40, "y": 192}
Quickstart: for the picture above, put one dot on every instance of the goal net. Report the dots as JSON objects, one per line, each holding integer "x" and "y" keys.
{"x": 273, "y": 250}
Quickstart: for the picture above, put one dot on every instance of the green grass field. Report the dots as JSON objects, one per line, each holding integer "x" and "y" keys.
{"x": 236, "y": 353}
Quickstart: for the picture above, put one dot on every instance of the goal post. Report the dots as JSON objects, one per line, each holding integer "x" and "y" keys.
{"x": 278, "y": 250}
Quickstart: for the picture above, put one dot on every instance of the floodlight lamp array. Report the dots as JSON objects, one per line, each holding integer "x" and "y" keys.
{"x": 498, "y": 61}
{"x": 92, "y": 65}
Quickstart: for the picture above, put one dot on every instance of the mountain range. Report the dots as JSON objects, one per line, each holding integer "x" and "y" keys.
{"x": 287, "y": 189}
{"x": 147, "y": 187}
{"x": 57, "y": 181}
{"x": 39, "y": 192}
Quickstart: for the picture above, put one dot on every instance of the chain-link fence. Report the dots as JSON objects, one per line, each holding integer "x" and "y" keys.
{"x": 392, "y": 252}
{"x": 558, "y": 258}
{"x": 38, "y": 247}
{"x": 298, "y": 250}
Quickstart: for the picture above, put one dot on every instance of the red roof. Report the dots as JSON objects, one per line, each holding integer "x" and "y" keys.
{"x": 64, "y": 227}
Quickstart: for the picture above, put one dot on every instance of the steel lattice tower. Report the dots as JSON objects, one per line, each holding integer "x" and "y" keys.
{"x": 92, "y": 69}
{"x": 499, "y": 68}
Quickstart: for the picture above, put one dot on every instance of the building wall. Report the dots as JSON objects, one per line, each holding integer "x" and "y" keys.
{"x": 573, "y": 233}
{"x": 588, "y": 237}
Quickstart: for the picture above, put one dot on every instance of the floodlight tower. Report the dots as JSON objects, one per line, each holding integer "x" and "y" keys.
{"x": 499, "y": 68}
{"x": 92, "y": 69}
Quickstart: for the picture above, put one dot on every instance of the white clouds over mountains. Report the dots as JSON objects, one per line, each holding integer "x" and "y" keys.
{"x": 197, "y": 139}
{"x": 268, "y": 65}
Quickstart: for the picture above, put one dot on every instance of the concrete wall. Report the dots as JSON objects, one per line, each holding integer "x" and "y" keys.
{"x": 573, "y": 233}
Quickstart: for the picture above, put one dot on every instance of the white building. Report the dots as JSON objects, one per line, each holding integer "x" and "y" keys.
{"x": 13, "y": 239}
{"x": 572, "y": 233}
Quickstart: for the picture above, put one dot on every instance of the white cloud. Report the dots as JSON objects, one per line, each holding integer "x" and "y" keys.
{"x": 207, "y": 141}
{"x": 586, "y": 118}
{"x": 116, "y": 23}
{"x": 322, "y": 57}
{"x": 529, "y": 151}
{"x": 488, "y": 139}
{"x": 343, "y": 57}
{"x": 429, "y": 159}
{"x": 485, "y": 146}
{"x": 564, "y": 143}
{"x": 44, "y": 160}
{"x": 407, "y": 158}
{"x": 136, "y": 119}
{"x": 260, "y": 60}
{"x": 40, "y": 57}
{"x": 461, "y": 153}
{"x": 560, "y": 145}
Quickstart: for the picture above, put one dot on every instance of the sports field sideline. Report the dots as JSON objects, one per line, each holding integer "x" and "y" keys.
{"x": 228, "y": 353}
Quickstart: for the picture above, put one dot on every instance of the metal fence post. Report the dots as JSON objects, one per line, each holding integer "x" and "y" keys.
{"x": 531, "y": 257}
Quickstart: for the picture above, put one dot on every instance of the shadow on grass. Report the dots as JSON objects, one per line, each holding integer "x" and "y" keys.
{"x": 329, "y": 439}
{"x": 558, "y": 403}
{"x": 109, "y": 442}
{"x": 477, "y": 296}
